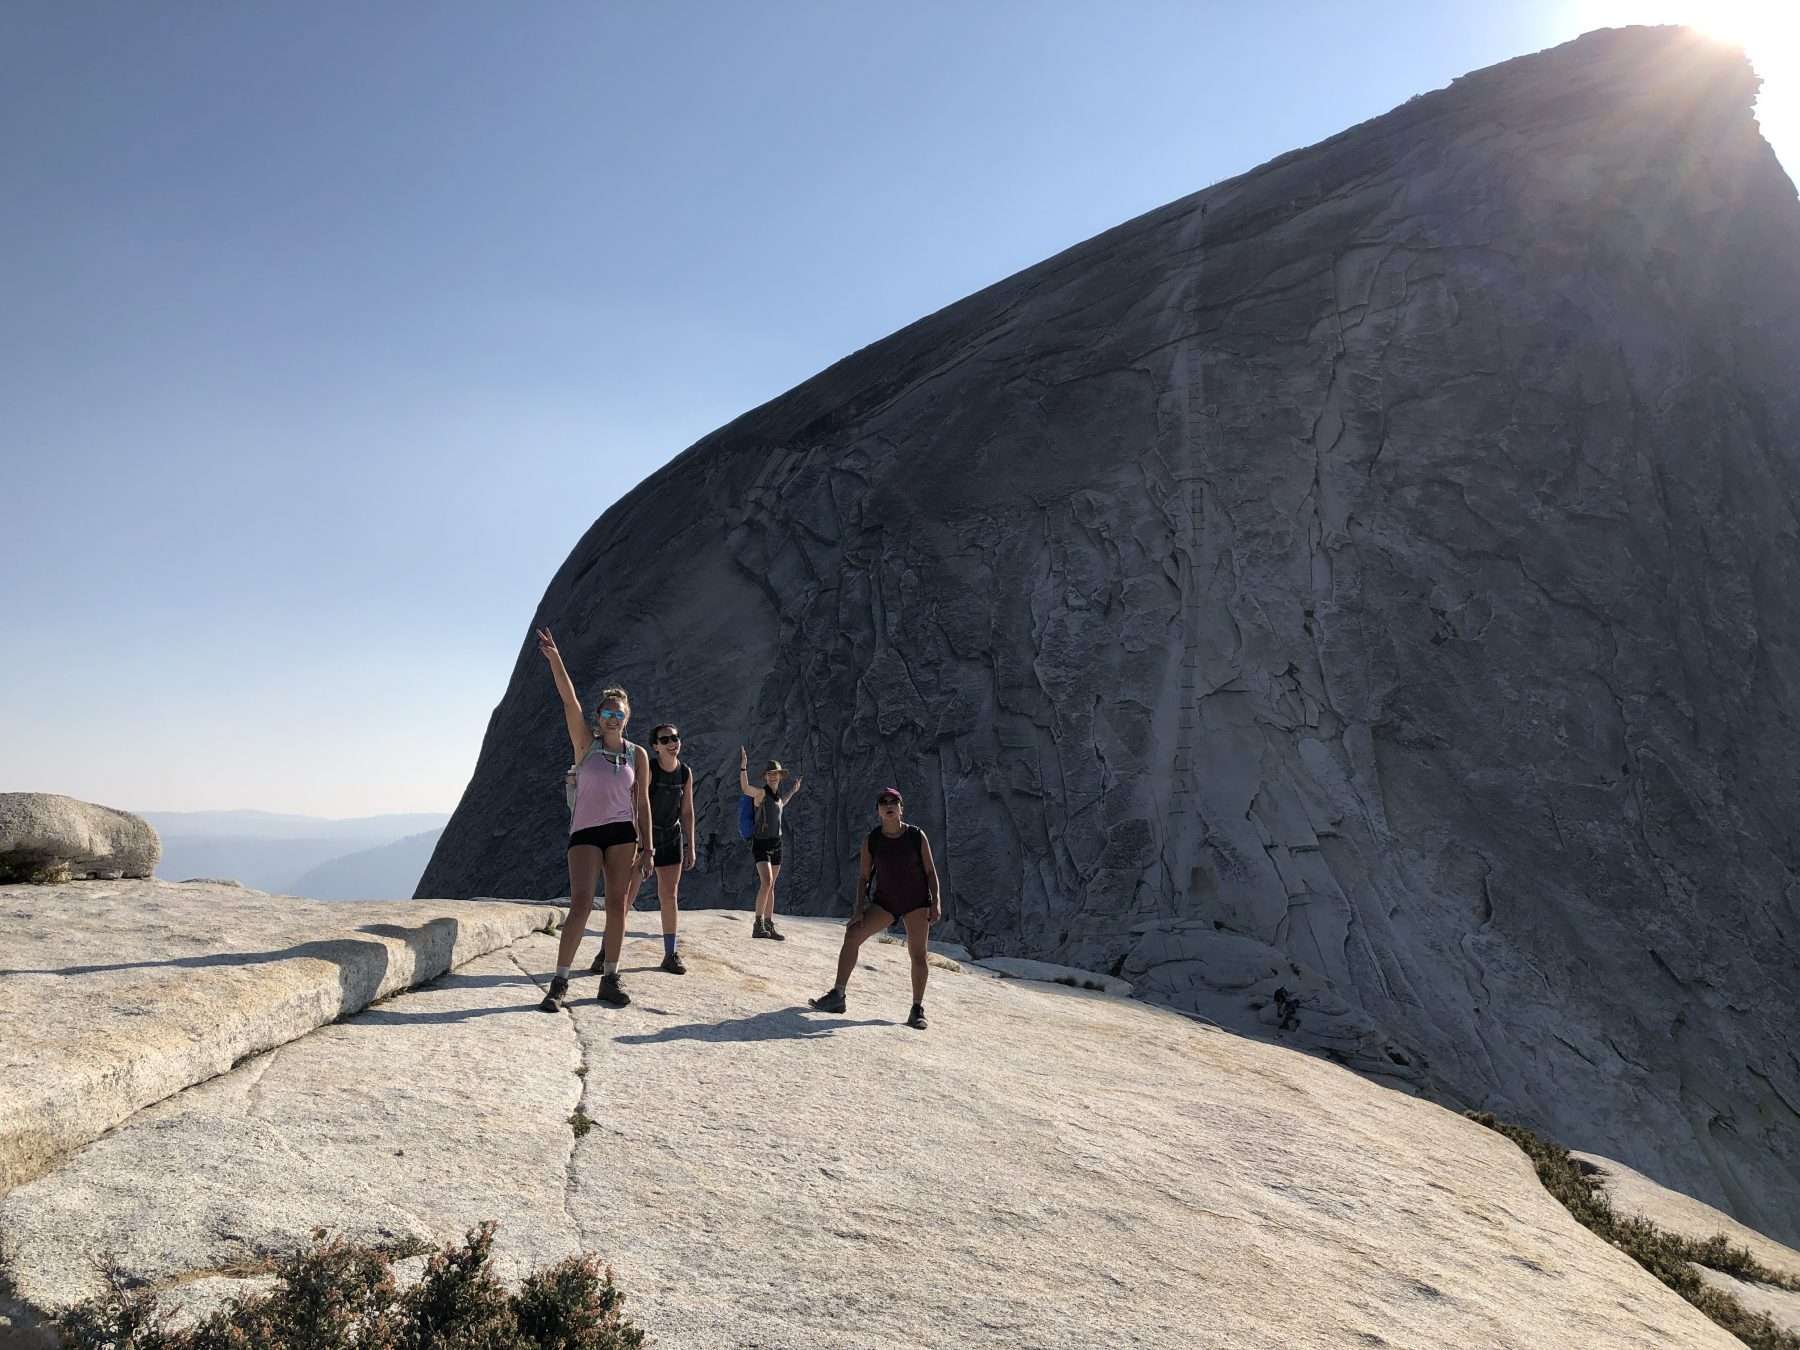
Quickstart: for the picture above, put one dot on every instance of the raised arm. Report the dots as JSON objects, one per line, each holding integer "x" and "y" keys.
{"x": 580, "y": 738}
{"x": 931, "y": 877}
{"x": 793, "y": 791}
{"x": 754, "y": 793}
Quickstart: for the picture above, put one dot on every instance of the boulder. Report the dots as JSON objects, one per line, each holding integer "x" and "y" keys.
{"x": 1387, "y": 561}
{"x": 46, "y": 837}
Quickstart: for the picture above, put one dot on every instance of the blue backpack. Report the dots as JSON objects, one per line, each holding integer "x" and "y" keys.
{"x": 747, "y": 817}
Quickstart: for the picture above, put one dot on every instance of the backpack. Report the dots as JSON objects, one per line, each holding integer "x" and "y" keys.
{"x": 747, "y": 817}
{"x": 571, "y": 776}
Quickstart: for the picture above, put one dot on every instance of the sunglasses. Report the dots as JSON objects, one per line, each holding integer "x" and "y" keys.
{"x": 607, "y": 714}
{"x": 887, "y": 801}
{"x": 668, "y": 740}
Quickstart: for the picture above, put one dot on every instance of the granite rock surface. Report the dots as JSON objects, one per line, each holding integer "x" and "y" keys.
{"x": 1044, "y": 1166}
{"x": 113, "y": 995}
{"x": 1359, "y": 602}
{"x": 1631, "y": 1192}
{"x": 47, "y": 837}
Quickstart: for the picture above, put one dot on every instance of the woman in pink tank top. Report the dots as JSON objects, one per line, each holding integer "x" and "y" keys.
{"x": 609, "y": 827}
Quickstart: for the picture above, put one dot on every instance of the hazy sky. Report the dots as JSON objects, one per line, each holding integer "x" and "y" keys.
{"x": 327, "y": 328}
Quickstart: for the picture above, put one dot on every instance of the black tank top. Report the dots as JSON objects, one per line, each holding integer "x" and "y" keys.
{"x": 667, "y": 788}
{"x": 897, "y": 878}
{"x": 768, "y": 815}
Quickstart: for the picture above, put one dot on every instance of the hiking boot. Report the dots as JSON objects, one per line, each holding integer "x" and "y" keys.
{"x": 599, "y": 961}
{"x": 553, "y": 1000}
{"x": 770, "y": 931}
{"x": 756, "y": 928}
{"x": 612, "y": 993}
{"x": 832, "y": 1002}
{"x": 916, "y": 1018}
{"x": 673, "y": 963}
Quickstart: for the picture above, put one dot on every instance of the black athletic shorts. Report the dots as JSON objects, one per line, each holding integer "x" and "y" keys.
{"x": 766, "y": 850}
{"x": 605, "y": 836}
{"x": 899, "y": 909}
{"x": 669, "y": 851}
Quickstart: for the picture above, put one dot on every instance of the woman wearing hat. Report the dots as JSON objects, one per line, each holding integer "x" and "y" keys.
{"x": 897, "y": 880}
{"x": 765, "y": 841}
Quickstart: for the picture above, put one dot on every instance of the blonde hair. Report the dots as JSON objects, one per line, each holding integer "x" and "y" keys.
{"x": 611, "y": 694}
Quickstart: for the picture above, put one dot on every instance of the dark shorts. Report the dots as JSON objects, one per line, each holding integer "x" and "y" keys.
{"x": 604, "y": 837}
{"x": 669, "y": 849}
{"x": 766, "y": 850}
{"x": 900, "y": 908}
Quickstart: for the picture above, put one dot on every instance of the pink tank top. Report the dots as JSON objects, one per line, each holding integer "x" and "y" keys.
{"x": 605, "y": 789}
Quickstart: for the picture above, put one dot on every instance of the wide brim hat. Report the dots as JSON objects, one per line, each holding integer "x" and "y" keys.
{"x": 774, "y": 766}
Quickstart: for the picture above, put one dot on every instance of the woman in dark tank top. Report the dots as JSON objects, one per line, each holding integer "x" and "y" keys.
{"x": 897, "y": 880}
{"x": 672, "y": 820}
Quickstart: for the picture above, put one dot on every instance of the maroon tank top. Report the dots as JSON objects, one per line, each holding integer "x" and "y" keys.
{"x": 897, "y": 879}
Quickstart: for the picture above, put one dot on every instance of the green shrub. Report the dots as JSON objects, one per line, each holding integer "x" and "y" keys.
{"x": 1668, "y": 1256}
{"x": 338, "y": 1295}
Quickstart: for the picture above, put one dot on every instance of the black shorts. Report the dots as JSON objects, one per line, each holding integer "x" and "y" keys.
{"x": 900, "y": 908}
{"x": 766, "y": 850}
{"x": 604, "y": 837}
{"x": 669, "y": 851}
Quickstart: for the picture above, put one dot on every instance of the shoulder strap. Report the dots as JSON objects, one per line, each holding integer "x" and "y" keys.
{"x": 918, "y": 842}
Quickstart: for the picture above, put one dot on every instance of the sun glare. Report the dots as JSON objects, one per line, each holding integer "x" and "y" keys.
{"x": 1767, "y": 30}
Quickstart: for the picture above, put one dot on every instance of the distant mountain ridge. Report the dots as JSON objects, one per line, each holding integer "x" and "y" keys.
{"x": 278, "y": 852}
{"x": 280, "y": 825}
{"x": 386, "y": 872}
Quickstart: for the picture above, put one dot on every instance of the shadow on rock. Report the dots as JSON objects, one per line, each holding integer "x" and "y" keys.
{"x": 783, "y": 1024}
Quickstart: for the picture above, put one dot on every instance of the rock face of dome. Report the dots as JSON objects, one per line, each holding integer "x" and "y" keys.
{"x": 1360, "y": 601}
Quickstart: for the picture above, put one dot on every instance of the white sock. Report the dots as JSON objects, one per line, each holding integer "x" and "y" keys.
{"x": 611, "y": 969}
{"x": 562, "y": 972}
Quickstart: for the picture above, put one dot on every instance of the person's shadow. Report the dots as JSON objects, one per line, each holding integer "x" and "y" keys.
{"x": 780, "y": 1024}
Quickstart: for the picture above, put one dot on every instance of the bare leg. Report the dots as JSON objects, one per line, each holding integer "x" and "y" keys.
{"x": 668, "y": 884}
{"x": 765, "y": 890}
{"x": 918, "y": 930}
{"x": 584, "y": 871}
{"x": 855, "y": 934}
{"x": 621, "y": 862}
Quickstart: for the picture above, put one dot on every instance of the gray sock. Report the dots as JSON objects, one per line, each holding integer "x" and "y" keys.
{"x": 611, "y": 970}
{"x": 562, "y": 972}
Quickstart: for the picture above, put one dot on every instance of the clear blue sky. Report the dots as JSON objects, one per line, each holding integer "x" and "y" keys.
{"x": 329, "y": 327}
